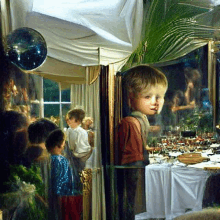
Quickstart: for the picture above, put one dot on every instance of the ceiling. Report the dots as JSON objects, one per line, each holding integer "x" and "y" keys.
{"x": 81, "y": 33}
{"x": 84, "y": 33}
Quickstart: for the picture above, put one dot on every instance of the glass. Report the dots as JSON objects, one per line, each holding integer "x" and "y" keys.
{"x": 187, "y": 106}
{"x": 65, "y": 95}
{"x": 130, "y": 192}
{"x": 52, "y": 111}
{"x": 26, "y": 48}
{"x": 65, "y": 109}
{"x": 51, "y": 91}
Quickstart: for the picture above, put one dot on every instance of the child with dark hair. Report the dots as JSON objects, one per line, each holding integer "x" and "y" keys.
{"x": 38, "y": 131}
{"x": 13, "y": 135}
{"x": 62, "y": 185}
{"x": 36, "y": 153}
{"x": 21, "y": 189}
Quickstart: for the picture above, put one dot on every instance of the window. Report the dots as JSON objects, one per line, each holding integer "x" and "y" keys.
{"x": 52, "y": 102}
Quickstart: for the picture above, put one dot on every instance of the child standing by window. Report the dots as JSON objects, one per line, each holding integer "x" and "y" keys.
{"x": 77, "y": 137}
{"x": 62, "y": 183}
{"x": 145, "y": 88}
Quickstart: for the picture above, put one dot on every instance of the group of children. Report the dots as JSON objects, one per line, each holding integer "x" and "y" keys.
{"x": 146, "y": 87}
{"x": 65, "y": 182}
{"x": 42, "y": 144}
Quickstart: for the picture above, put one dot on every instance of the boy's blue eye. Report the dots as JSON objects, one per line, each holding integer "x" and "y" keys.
{"x": 147, "y": 97}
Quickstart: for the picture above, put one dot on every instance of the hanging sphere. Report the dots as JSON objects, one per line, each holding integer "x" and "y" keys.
{"x": 26, "y": 48}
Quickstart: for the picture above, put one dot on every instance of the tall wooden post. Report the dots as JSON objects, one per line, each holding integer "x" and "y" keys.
{"x": 4, "y": 73}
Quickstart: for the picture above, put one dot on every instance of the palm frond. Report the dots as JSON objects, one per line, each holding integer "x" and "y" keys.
{"x": 171, "y": 31}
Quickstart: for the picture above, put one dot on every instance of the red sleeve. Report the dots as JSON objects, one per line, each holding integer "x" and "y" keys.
{"x": 130, "y": 142}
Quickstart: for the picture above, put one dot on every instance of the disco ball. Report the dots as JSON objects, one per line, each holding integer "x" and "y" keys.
{"x": 26, "y": 48}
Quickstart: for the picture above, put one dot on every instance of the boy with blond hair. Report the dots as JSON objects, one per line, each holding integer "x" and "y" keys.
{"x": 145, "y": 88}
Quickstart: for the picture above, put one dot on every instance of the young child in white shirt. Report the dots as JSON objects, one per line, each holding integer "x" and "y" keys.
{"x": 77, "y": 137}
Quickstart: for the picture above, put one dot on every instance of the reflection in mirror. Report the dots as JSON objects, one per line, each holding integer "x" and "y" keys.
{"x": 37, "y": 97}
{"x": 184, "y": 125}
{"x": 187, "y": 106}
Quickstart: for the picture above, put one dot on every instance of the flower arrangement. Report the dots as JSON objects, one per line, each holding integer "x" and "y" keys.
{"x": 25, "y": 199}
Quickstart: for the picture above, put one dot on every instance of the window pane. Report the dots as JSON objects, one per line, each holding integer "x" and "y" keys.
{"x": 51, "y": 91}
{"x": 51, "y": 110}
{"x": 65, "y": 95}
{"x": 34, "y": 96}
{"x": 65, "y": 109}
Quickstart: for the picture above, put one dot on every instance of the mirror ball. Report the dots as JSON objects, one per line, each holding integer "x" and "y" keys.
{"x": 26, "y": 48}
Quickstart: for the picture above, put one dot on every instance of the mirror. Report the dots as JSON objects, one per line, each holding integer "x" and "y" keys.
{"x": 187, "y": 109}
{"x": 26, "y": 48}
{"x": 185, "y": 124}
{"x": 35, "y": 96}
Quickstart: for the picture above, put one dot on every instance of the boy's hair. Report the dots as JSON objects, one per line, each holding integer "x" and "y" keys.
{"x": 39, "y": 130}
{"x": 140, "y": 77}
{"x": 78, "y": 114}
{"x": 54, "y": 139}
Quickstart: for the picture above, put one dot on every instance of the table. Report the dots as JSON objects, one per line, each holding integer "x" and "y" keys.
{"x": 172, "y": 190}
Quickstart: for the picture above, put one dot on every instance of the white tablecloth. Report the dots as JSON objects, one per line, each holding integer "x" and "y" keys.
{"x": 173, "y": 190}
{"x": 187, "y": 187}
{"x": 158, "y": 190}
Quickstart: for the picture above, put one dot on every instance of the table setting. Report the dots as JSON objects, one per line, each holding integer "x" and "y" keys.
{"x": 175, "y": 182}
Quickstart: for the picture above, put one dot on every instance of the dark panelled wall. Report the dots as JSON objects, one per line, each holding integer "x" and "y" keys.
{"x": 105, "y": 136}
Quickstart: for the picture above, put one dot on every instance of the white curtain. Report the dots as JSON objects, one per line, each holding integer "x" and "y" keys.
{"x": 75, "y": 30}
{"x": 87, "y": 97}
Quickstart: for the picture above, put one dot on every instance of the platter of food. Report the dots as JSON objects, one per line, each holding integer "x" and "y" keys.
{"x": 192, "y": 158}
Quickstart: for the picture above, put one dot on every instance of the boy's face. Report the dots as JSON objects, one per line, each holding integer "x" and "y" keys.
{"x": 150, "y": 101}
{"x": 73, "y": 123}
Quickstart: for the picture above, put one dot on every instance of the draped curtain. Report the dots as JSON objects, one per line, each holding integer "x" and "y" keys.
{"x": 105, "y": 137}
{"x": 108, "y": 99}
{"x": 117, "y": 112}
{"x": 87, "y": 97}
